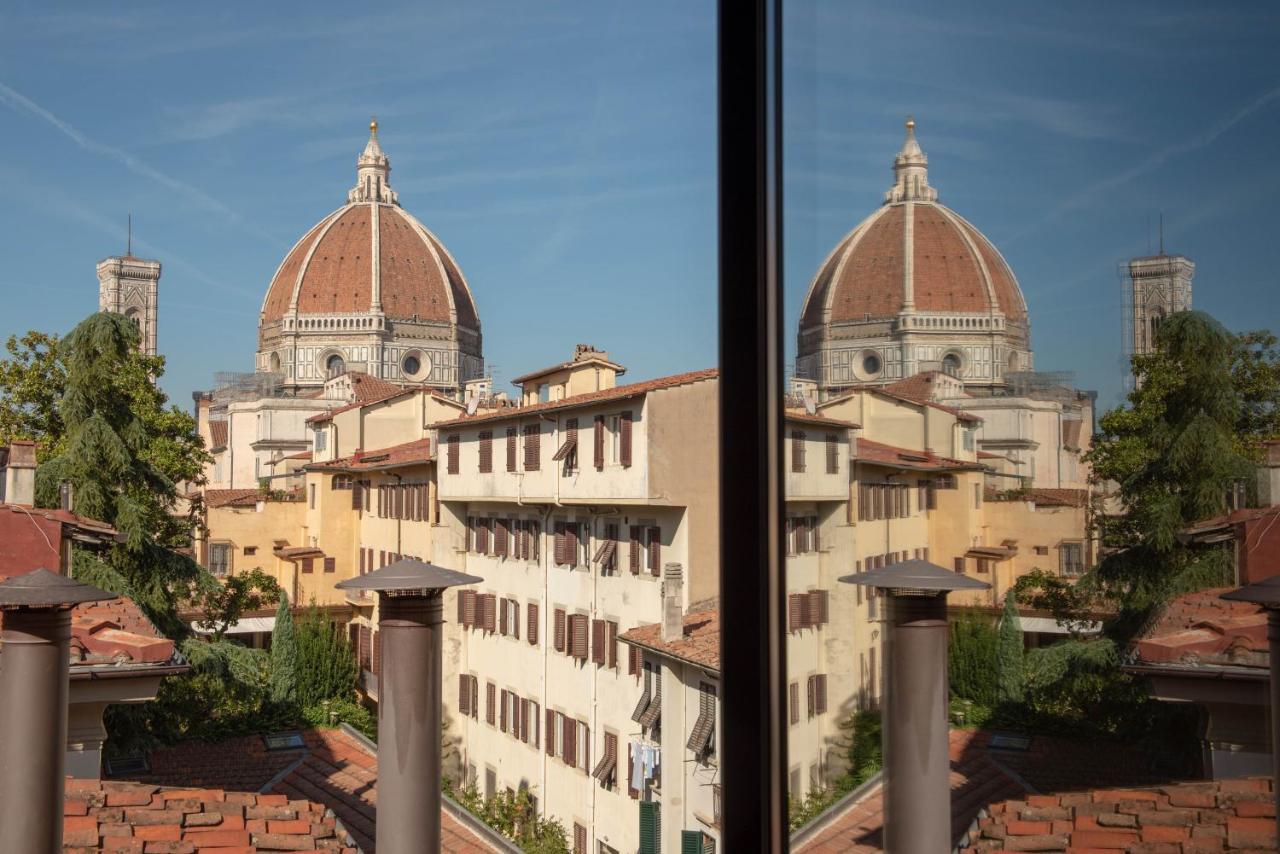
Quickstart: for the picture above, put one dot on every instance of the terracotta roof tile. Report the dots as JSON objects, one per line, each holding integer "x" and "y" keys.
{"x": 982, "y": 776}
{"x": 700, "y": 643}
{"x": 1202, "y": 629}
{"x": 869, "y": 451}
{"x": 114, "y": 632}
{"x": 406, "y": 454}
{"x": 1222, "y": 815}
{"x": 118, "y": 816}
{"x": 806, "y": 418}
{"x": 231, "y": 497}
{"x": 333, "y": 769}
{"x": 617, "y": 393}
{"x": 1042, "y": 497}
{"x": 367, "y": 389}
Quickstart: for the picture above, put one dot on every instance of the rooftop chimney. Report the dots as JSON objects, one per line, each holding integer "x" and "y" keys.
{"x": 672, "y": 602}
{"x": 20, "y": 474}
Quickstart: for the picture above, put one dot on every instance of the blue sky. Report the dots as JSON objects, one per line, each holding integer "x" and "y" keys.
{"x": 565, "y": 152}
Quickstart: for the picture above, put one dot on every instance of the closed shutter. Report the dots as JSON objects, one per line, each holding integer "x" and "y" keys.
{"x": 820, "y": 693}
{"x": 579, "y": 839}
{"x": 502, "y": 619}
{"x": 532, "y": 611}
{"x": 464, "y": 696}
{"x": 655, "y": 551}
{"x": 597, "y": 642}
{"x": 794, "y": 696}
{"x": 551, "y": 733}
{"x": 634, "y": 659}
{"x": 624, "y": 439}
{"x": 650, "y": 827}
{"x": 578, "y": 626}
{"x": 560, "y": 543}
{"x": 453, "y": 454}
{"x": 502, "y": 712}
{"x": 377, "y": 653}
{"x": 635, "y": 549}
{"x": 515, "y": 619}
{"x": 469, "y": 609}
{"x": 486, "y": 452}
{"x": 818, "y": 607}
{"x": 491, "y": 696}
{"x": 569, "y": 742}
{"x": 357, "y": 495}
{"x": 330, "y": 564}
{"x": 500, "y": 538}
{"x": 511, "y": 448}
{"x": 833, "y": 453}
{"x": 559, "y": 630}
{"x": 366, "y": 647}
{"x": 571, "y": 544}
{"x": 959, "y": 565}
{"x": 806, "y": 615}
{"x": 532, "y": 440}
{"x": 797, "y": 451}
{"x": 490, "y": 608}
{"x": 611, "y": 644}
{"x": 599, "y": 442}
{"x": 793, "y": 612}
{"x": 812, "y": 699}
{"x": 691, "y": 842}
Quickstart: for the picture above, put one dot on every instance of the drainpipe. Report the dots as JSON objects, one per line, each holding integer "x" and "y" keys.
{"x": 410, "y": 622}
{"x": 34, "y": 688}
{"x": 916, "y": 745}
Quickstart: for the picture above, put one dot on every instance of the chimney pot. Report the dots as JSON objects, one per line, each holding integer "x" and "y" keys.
{"x": 672, "y": 602}
{"x": 19, "y": 476}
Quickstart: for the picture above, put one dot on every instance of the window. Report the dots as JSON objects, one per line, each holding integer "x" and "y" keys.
{"x": 335, "y": 365}
{"x": 797, "y": 451}
{"x": 512, "y": 433}
{"x": 977, "y": 496}
{"x": 833, "y": 453}
{"x": 411, "y": 366}
{"x": 606, "y": 556}
{"x": 219, "y": 559}
{"x": 532, "y": 447}
{"x": 453, "y": 443}
{"x": 307, "y": 565}
{"x": 1071, "y": 558}
{"x": 615, "y": 440}
{"x": 321, "y": 439}
{"x": 606, "y": 770}
{"x": 702, "y": 738}
{"x": 568, "y": 452}
{"x": 311, "y": 492}
{"x": 330, "y": 564}
{"x": 968, "y": 435}
{"x": 250, "y": 551}
{"x": 1042, "y": 550}
{"x": 486, "y": 451}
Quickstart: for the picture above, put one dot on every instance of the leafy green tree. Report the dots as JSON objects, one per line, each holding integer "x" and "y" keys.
{"x": 31, "y": 382}
{"x": 1009, "y": 653}
{"x": 225, "y": 602}
{"x": 327, "y": 668}
{"x": 284, "y": 655}
{"x": 970, "y": 653}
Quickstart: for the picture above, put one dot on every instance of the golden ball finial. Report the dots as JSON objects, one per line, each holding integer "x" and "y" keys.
{"x": 373, "y": 126}
{"x": 911, "y": 123}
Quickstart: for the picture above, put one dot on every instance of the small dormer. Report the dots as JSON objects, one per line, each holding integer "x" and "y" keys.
{"x": 588, "y": 371}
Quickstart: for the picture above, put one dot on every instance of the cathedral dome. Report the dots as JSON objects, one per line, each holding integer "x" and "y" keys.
{"x": 370, "y": 288}
{"x": 914, "y": 269}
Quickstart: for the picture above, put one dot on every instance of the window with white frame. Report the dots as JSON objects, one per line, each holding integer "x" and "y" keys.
{"x": 220, "y": 559}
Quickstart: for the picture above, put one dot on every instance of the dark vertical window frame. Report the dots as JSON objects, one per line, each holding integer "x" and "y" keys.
{"x": 754, "y": 765}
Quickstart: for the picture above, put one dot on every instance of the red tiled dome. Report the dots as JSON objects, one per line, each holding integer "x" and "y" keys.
{"x": 341, "y": 265}
{"x": 954, "y": 268}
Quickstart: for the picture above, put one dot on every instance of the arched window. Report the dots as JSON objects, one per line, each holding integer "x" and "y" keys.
{"x": 335, "y": 365}
{"x": 951, "y": 364}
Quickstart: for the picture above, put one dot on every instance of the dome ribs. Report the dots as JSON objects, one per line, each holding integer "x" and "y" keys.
{"x": 411, "y": 280}
{"x": 869, "y": 281}
{"x": 947, "y": 276}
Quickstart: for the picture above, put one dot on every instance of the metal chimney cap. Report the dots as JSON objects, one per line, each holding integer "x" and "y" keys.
{"x": 1265, "y": 593}
{"x": 41, "y": 588}
{"x": 915, "y": 575}
{"x": 408, "y": 577}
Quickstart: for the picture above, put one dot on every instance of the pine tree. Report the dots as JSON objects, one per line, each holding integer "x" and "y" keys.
{"x": 284, "y": 655}
{"x": 327, "y": 668}
{"x": 1009, "y": 654}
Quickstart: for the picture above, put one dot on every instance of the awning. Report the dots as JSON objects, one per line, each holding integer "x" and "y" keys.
{"x": 243, "y": 626}
{"x": 991, "y": 552}
{"x": 1049, "y": 626}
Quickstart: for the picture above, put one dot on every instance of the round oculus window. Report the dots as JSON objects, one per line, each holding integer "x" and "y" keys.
{"x": 411, "y": 365}
{"x": 951, "y": 364}
{"x": 335, "y": 364}
{"x": 871, "y": 364}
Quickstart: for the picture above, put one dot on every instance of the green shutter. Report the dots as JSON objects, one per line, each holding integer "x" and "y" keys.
{"x": 690, "y": 842}
{"x": 650, "y": 828}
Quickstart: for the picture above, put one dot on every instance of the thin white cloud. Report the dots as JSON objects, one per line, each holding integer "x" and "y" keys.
{"x": 17, "y": 101}
{"x": 1092, "y": 193}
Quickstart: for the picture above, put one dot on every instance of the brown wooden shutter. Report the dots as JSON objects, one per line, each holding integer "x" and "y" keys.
{"x": 559, "y": 630}
{"x": 550, "y": 733}
{"x": 330, "y": 564}
{"x": 793, "y": 612}
{"x": 571, "y": 549}
{"x": 818, "y": 609}
{"x": 486, "y": 451}
{"x": 515, "y": 618}
{"x": 532, "y": 442}
{"x": 491, "y": 711}
{"x": 511, "y": 448}
{"x": 500, "y": 538}
{"x": 502, "y": 710}
{"x": 794, "y": 697}
{"x": 833, "y": 453}
{"x": 635, "y": 549}
{"x": 578, "y": 626}
{"x": 624, "y": 439}
{"x": 306, "y": 564}
{"x": 599, "y": 442}
{"x": 634, "y": 657}
{"x": 532, "y": 610}
{"x": 611, "y": 644}
{"x": 959, "y": 565}
{"x": 570, "y": 748}
{"x": 377, "y": 653}
{"x": 357, "y": 495}
{"x": 490, "y": 609}
{"x": 502, "y": 619}
{"x": 797, "y": 451}
{"x": 560, "y": 544}
{"x": 597, "y": 642}
{"x": 811, "y": 688}
{"x": 655, "y": 551}
{"x": 453, "y": 454}
{"x": 464, "y": 695}
{"x": 820, "y": 692}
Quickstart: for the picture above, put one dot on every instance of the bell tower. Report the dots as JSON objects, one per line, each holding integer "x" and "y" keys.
{"x": 1157, "y": 286}
{"x": 130, "y": 286}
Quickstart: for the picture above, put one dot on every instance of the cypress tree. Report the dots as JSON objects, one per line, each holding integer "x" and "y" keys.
{"x": 284, "y": 655}
{"x": 1009, "y": 663}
